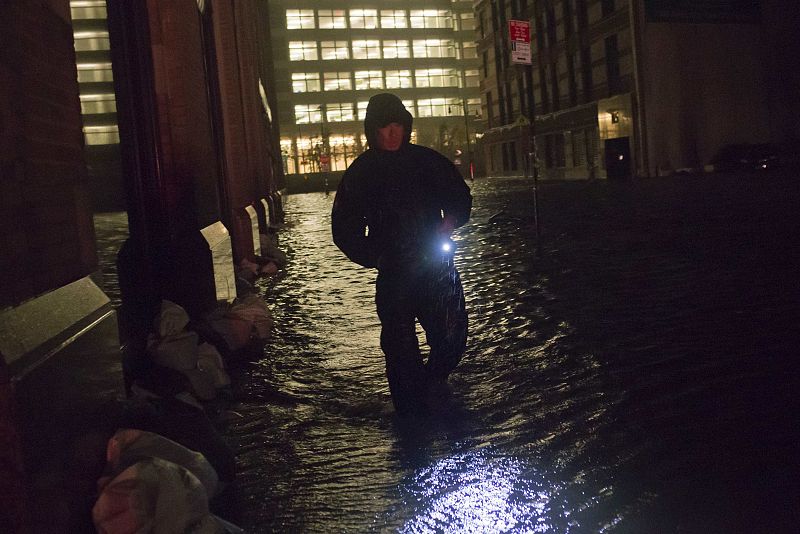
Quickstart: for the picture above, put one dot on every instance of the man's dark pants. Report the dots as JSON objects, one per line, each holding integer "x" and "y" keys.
{"x": 433, "y": 296}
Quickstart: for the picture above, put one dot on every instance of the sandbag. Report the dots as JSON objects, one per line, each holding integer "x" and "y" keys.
{"x": 175, "y": 348}
{"x": 155, "y": 496}
{"x": 127, "y": 444}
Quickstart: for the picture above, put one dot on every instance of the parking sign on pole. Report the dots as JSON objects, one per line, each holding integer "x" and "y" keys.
{"x": 519, "y": 32}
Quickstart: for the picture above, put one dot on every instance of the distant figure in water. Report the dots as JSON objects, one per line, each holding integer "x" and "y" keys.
{"x": 395, "y": 210}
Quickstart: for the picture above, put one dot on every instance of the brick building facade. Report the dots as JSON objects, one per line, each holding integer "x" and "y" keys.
{"x": 201, "y": 176}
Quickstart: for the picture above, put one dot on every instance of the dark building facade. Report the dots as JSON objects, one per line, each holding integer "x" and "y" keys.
{"x": 174, "y": 97}
{"x": 623, "y": 88}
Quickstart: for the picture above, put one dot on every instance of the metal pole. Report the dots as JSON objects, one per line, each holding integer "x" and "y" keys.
{"x": 533, "y": 157}
{"x": 466, "y": 134}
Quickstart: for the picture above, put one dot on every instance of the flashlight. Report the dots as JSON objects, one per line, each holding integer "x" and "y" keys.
{"x": 447, "y": 250}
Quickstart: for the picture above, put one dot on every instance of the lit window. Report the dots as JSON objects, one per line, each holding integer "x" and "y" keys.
{"x": 470, "y": 49}
{"x": 334, "y": 50}
{"x": 337, "y": 81}
{"x": 409, "y": 104}
{"x": 369, "y": 79}
{"x": 364, "y": 18}
{"x": 95, "y": 72}
{"x": 339, "y": 112}
{"x": 431, "y": 18}
{"x": 299, "y": 19}
{"x": 307, "y": 114}
{"x": 98, "y": 103}
{"x": 436, "y": 78}
{"x": 398, "y": 79}
{"x": 432, "y": 107}
{"x": 342, "y": 140}
{"x": 302, "y": 50}
{"x": 101, "y": 135}
{"x": 393, "y": 18}
{"x": 467, "y": 21}
{"x": 88, "y": 10}
{"x": 455, "y": 106}
{"x": 471, "y": 78}
{"x": 91, "y": 41}
{"x": 433, "y": 48}
{"x": 367, "y": 49}
{"x": 332, "y": 19}
{"x": 305, "y": 82}
{"x": 474, "y": 107}
{"x": 362, "y": 109}
{"x": 396, "y": 49}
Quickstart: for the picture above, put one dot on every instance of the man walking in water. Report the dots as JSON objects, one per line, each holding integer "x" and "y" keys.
{"x": 395, "y": 209}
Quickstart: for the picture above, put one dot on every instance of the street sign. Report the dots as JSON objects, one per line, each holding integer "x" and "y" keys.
{"x": 519, "y": 32}
{"x": 324, "y": 162}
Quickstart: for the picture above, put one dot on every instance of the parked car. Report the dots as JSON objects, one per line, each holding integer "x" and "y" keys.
{"x": 747, "y": 157}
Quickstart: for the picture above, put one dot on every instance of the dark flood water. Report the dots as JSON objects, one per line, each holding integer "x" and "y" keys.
{"x": 640, "y": 375}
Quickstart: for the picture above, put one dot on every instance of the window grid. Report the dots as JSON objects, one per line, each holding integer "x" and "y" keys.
{"x": 337, "y": 81}
{"x": 394, "y": 49}
{"x": 305, "y": 82}
{"x": 369, "y": 79}
{"x": 307, "y": 114}
{"x": 364, "y": 18}
{"x": 300, "y": 19}
{"x": 334, "y": 50}
{"x": 436, "y": 78}
{"x": 302, "y": 50}
{"x": 394, "y": 18}
{"x": 471, "y": 78}
{"x": 433, "y": 48}
{"x": 367, "y": 49}
{"x": 398, "y": 79}
{"x": 430, "y": 18}
{"x": 332, "y": 19}
{"x": 467, "y": 21}
{"x": 339, "y": 112}
{"x": 470, "y": 50}
{"x": 361, "y": 108}
{"x": 439, "y": 107}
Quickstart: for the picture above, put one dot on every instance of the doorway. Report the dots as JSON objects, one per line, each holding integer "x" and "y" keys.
{"x": 618, "y": 158}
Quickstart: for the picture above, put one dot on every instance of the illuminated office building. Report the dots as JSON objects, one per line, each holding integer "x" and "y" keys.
{"x": 331, "y": 56}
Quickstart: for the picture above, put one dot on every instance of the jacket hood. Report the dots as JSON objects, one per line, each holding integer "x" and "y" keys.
{"x": 383, "y": 109}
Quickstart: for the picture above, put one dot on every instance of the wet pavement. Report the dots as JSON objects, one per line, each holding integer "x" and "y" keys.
{"x": 639, "y": 375}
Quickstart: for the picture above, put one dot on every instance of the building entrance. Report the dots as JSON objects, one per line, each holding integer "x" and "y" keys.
{"x": 617, "y": 157}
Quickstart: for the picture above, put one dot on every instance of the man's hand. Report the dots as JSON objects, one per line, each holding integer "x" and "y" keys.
{"x": 447, "y": 226}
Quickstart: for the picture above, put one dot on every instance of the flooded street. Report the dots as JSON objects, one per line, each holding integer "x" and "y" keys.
{"x": 639, "y": 375}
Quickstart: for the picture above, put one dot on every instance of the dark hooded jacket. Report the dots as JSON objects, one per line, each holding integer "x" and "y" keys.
{"x": 389, "y": 204}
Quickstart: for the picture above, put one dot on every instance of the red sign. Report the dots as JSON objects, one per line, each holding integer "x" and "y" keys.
{"x": 519, "y": 30}
{"x": 519, "y": 33}
{"x": 324, "y": 158}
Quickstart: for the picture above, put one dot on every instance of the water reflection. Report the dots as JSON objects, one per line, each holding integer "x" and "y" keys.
{"x": 478, "y": 492}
